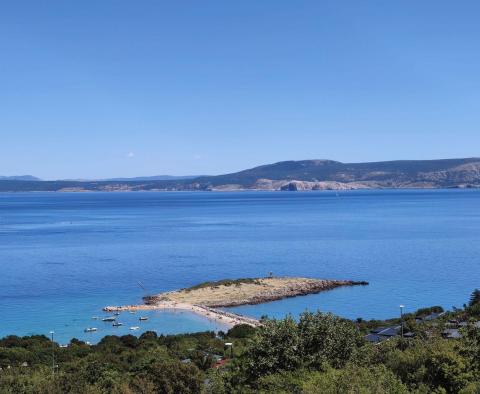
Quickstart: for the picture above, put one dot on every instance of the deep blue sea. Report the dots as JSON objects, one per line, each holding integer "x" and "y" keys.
{"x": 63, "y": 256}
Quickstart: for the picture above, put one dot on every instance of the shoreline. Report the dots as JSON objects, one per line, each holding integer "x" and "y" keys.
{"x": 204, "y": 298}
{"x": 248, "y": 291}
{"x": 454, "y": 187}
{"x": 230, "y": 319}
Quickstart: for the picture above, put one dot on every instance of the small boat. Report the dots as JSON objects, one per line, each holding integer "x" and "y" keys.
{"x": 94, "y": 317}
{"x": 142, "y": 318}
{"x": 90, "y": 329}
{"x": 110, "y": 318}
{"x": 116, "y": 313}
{"x": 117, "y": 324}
{"x": 134, "y": 328}
{"x": 133, "y": 312}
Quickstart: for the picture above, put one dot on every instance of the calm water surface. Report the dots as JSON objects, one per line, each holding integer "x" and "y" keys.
{"x": 63, "y": 256}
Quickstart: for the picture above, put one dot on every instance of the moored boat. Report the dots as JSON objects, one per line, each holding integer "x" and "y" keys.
{"x": 90, "y": 329}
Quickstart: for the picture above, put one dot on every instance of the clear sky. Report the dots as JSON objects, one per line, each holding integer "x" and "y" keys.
{"x": 103, "y": 88}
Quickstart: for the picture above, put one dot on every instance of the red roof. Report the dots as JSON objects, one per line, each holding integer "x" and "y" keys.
{"x": 220, "y": 363}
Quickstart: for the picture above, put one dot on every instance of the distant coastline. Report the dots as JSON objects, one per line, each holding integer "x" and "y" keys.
{"x": 285, "y": 176}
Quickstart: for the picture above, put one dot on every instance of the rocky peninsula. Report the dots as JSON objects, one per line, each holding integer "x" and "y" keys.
{"x": 203, "y": 298}
{"x": 247, "y": 291}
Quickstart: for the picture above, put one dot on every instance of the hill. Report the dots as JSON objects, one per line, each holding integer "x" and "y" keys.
{"x": 154, "y": 178}
{"x": 19, "y": 178}
{"x": 326, "y": 174}
{"x": 292, "y": 175}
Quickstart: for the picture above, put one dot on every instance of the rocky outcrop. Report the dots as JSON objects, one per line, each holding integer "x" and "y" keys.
{"x": 295, "y": 290}
{"x": 466, "y": 173}
{"x": 326, "y": 185}
{"x": 204, "y": 297}
{"x": 248, "y": 291}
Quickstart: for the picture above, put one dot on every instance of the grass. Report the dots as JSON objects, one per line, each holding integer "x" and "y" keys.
{"x": 224, "y": 282}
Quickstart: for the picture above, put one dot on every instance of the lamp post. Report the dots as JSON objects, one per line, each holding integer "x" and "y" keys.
{"x": 401, "y": 318}
{"x": 230, "y": 345}
{"x": 53, "y": 354}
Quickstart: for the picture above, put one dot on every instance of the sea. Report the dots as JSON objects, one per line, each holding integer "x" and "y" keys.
{"x": 64, "y": 256}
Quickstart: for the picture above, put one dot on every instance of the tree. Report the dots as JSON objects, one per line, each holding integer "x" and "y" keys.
{"x": 318, "y": 339}
{"x": 275, "y": 347}
{"x": 354, "y": 380}
{"x": 474, "y": 298}
{"x": 326, "y": 338}
{"x": 471, "y": 346}
{"x": 174, "y": 378}
{"x": 241, "y": 331}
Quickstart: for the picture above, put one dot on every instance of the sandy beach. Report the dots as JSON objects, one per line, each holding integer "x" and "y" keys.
{"x": 227, "y": 318}
{"x": 205, "y": 298}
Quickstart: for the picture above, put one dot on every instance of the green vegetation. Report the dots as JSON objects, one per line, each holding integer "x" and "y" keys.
{"x": 390, "y": 174}
{"x": 127, "y": 364}
{"x": 318, "y": 353}
{"x": 224, "y": 282}
{"x": 474, "y": 298}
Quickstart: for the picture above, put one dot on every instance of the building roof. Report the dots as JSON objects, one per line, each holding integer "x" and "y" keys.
{"x": 433, "y": 316}
{"x": 380, "y": 334}
{"x": 452, "y": 333}
{"x": 374, "y": 338}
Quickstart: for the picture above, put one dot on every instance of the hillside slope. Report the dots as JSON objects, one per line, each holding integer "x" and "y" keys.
{"x": 293, "y": 175}
{"x": 324, "y": 174}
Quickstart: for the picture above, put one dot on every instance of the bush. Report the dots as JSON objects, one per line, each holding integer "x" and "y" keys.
{"x": 326, "y": 338}
{"x": 354, "y": 380}
{"x": 241, "y": 331}
{"x": 318, "y": 339}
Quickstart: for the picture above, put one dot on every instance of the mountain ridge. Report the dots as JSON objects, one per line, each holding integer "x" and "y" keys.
{"x": 292, "y": 175}
{"x": 19, "y": 178}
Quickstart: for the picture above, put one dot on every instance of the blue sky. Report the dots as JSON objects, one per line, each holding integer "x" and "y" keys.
{"x": 92, "y": 89}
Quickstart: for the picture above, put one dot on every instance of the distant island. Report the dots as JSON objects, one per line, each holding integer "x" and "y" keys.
{"x": 285, "y": 176}
{"x": 204, "y": 297}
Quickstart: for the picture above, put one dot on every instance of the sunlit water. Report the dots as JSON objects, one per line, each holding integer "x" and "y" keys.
{"x": 63, "y": 256}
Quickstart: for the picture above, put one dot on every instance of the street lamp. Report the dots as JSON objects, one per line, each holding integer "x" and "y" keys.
{"x": 401, "y": 318}
{"x": 53, "y": 354}
{"x": 230, "y": 345}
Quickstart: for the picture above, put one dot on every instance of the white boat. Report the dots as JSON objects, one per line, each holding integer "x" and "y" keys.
{"x": 134, "y": 328}
{"x": 117, "y": 313}
{"x": 90, "y": 329}
{"x": 142, "y": 318}
{"x": 110, "y": 318}
{"x": 117, "y": 324}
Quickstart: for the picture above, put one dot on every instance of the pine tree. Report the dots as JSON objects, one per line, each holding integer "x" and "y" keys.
{"x": 474, "y": 297}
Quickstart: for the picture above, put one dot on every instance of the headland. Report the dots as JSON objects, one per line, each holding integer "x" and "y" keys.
{"x": 205, "y": 297}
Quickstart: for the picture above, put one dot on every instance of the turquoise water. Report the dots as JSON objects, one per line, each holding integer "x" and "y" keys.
{"x": 63, "y": 256}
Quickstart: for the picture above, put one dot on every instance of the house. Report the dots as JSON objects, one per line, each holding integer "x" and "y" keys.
{"x": 455, "y": 333}
{"x": 430, "y": 317}
{"x": 381, "y": 334}
{"x": 451, "y": 333}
